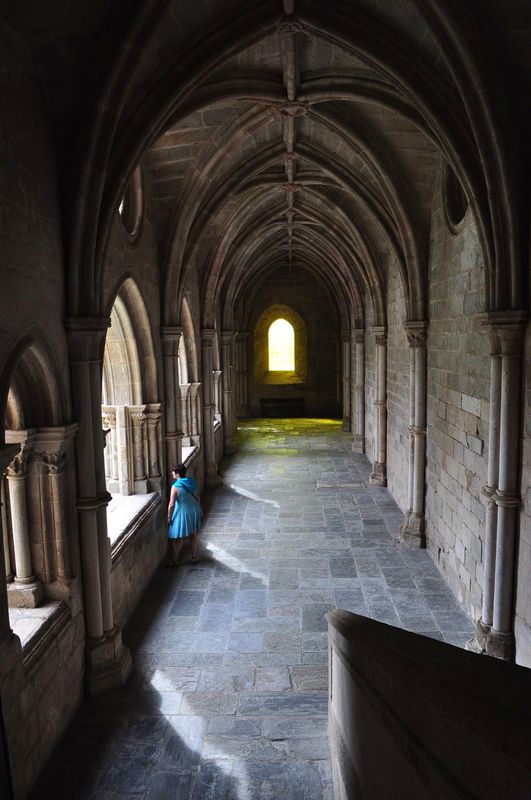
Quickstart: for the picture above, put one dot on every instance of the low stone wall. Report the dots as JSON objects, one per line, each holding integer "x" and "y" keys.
{"x": 413, "y": 717}
{"x": 43, "y": 694}
{"x": 136, "y": 554}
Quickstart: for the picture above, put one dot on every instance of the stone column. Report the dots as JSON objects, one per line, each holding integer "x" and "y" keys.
{"x": 9, "y": 570}
{"x": 186, "y": 415}
{"x": 413, "y": 532}
{"x": 26, "y": 590}
{"x": 11, "y": 664}
{"x": 227, "y": 338}
{"x": 241, "y": 377}
{"x": 54, "y": 506}
{"x": 195, "y": 413}
{"x": 484, "y": 624}
{"x": 358, "y": 397}
{"x": 209, "y": 449}
{"x": 108, "y": 662}
{"x": 138, "y": 423}
{"x": 500, "y": 640}
{"x": 171, "y": 337}
{"x": 216, "y": 382}
{"x": 7, "y": 453}
{"x": 153, "y": 417}
{"x": 378, "y": 475}
{"x": 347, "y": 419}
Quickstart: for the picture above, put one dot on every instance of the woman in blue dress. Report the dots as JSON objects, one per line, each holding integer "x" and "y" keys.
{"x": 184, "y": 514}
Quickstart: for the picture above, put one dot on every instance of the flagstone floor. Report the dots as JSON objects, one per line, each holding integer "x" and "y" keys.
{"x": 228, "y": 699}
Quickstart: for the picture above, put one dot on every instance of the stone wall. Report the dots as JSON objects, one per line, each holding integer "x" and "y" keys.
{"x": 51, "y": 690}
{"x": 38, "y": 699}
{"x": 135, "y": 557}
{"x": 397, "y": 391}
{"x": 458, "y": 407}
{"x": 299, "y": 290}
{"x": 523, "y": 596}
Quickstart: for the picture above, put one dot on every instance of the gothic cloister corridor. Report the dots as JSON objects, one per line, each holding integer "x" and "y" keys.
{"x": 228, "y": 697}
{"x": 282, "y": 246}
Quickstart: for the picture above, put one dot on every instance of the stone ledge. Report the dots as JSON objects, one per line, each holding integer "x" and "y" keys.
{"x": 39, "y": 642}
{"x": 439, "y": 721}
{"x": 134, "y": 526}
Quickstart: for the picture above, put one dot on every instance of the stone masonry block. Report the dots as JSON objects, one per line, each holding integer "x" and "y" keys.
{"x": 471, "y": 404}
{"x": 475, "y": 444}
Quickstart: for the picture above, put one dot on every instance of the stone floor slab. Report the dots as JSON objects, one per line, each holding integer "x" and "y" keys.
{"x": 228, "y": 698}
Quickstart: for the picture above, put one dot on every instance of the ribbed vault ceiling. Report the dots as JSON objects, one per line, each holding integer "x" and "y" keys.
{"x": 331, "y": 171}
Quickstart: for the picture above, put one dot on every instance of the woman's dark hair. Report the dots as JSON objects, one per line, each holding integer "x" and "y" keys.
{"x": 180, "y": 469}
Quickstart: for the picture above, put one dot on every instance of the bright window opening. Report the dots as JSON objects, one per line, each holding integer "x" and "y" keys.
{"x": 281, "y": 345}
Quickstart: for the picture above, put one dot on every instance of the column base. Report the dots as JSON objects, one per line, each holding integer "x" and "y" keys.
{"x": 108, "y": 663}
{"x": 346, "y": 424}
{"x": 378, "y": 476}
{"x": 358, "y": 444}
{"x": 500, "y": 645}
{"x": 229, "y": 449}
{"x": 412, "y": 532}
{"x": 24, "y": 595}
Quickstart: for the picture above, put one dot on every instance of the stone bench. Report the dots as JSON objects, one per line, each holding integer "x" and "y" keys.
{"x": 282, "y": 406}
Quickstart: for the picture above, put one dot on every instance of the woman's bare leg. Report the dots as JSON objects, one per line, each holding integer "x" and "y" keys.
{"x": 193, "y": 546}
{"x": 177, "y": 545}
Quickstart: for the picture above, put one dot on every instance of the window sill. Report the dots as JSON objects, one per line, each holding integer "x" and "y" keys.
{"x": 130, "y": 515}
{"x": 37, "y": 627}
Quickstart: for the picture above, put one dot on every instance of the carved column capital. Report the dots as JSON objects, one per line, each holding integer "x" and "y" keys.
{"x": 416, "y": 333}
{"x": 53, "y": 463}
{"x": 19, "y": 466}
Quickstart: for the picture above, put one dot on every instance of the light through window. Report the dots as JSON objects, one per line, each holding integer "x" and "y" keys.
{"x": 281, "y": 346}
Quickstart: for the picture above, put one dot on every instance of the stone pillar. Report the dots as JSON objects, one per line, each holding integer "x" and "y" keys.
{"x": 7, "y": 453}
{"x": 216, "y": 385}
{"x": 25, "y": 591}
{"x": 227, "y": 338}
{"x": 186, "y": 415}
{"x": 9, "y": 569}
{"x": 153, "y": 417}
{"x": 12, "y": 670}
{"x": 209, "y": 449}
{"x": 195, "y": 413}
{"x": 378, "y": 475}
{"x": 171, "y": 337}
{"x": 484, "y": 624}
{"x": 54, "y": 506}
{"x": 413, "y": 531}
{"x": 108, "y": 662}
{"x": 138, "y": 425}
{"x": 500, "y": 641}
{"x": 241, "y": 377}
{"x": 358, "y": 390}
{"x": 347, "y": 419}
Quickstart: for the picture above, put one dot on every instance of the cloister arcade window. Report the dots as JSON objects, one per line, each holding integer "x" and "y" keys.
{"x": 189, "y": 387}
{"x": 281, "y": 346}
{"x": 131, "y": 417}
{"x": 37, "y": 495}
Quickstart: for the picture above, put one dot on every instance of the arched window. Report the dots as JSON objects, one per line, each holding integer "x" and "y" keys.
{"x": 281, "y": 346}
